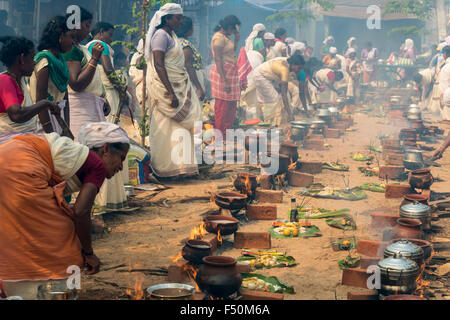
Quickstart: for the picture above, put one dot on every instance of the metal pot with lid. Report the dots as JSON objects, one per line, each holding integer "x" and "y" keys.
{"x": 398, "y": 274}
{"x": 418, "y": 211}
{"x": 407, "y": 249}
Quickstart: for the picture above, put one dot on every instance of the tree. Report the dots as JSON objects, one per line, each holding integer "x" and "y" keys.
{"x": 422, "y": 9}
{"x": 140, "y": 12}
{"x": 299, "y": 11}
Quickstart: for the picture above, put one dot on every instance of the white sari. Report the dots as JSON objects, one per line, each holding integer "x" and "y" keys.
{"x": 9, "y": 129}
{"x": 171, "y": 130}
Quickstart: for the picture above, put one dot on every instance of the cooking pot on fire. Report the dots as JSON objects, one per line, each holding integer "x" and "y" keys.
{"x": 407, "y": 249}
{"x": 317, "y": 124}
{"x": 418, "y": 211}
{"x": 413, "y": 159}
{"x": 398, "y": 274}
{"x": 298, "y": 132}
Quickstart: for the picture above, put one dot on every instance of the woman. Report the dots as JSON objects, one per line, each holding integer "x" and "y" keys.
{"x": 280, "y": 48}
{"x": 194, "y": 63}
{"x": 369, "y": 56}
{"x": 224, "y": 74}
{"x": 322, "y": 85}
{"x": 17, "y": 111}
{"x": 86, "y": 91}
{"x": 354, "y": 72}
{"x": 255, "y": 39}
{"x": 112, "y": 196}
{"x": 269, "y": 42}
{"x": 41, "y": 236}
{"x": 351, "y": 44}
{"x": 175, "y": 104}
{"x": 51, "y": 74}
{"x": 270, "y": 76}
{"x": 327, "y": 44}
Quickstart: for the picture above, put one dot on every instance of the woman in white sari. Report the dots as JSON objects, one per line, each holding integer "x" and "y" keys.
{"x": 112, "y": 194}
{"x": 175, "y": 105}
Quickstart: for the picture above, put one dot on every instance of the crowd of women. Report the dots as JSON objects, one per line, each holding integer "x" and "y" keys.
{"x": 64, "y": 137}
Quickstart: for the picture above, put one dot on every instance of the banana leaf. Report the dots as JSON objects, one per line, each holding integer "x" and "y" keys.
{"x": 282, "y": 261}
{"x": 311, "y": 232}
{"x": 374, "y": 187}
{"x": 271, "y": 282}
{"x": 375, "y": 149}
{"x": 354, "y": 194}
{"x": 337, "y": 223}
{"x": 364, "y": 158}
{"x": 368, "y": 173}
{"x": 323, "y": 213}
{"x": 338, "y": 245}
{"x": 351, "y": 263}
{"x": 335, "y": 166}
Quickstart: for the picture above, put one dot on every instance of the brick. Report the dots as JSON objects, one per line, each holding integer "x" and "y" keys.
{"x": 390, "y": 172}
{"x": 262, "y": 212}
{"x": 366, "y": 295}
{"x": 332, "y": 133}
{"x": 265, "y": 182}
{"x": 314, "y": 144}
{"x": 381, "y": 219}
{"x": 243, "y": 268}
{"x": 260, "y": 295}
{"x": 299, "y": 179}
{"x": 252, "y": 240}
{"x": 355, "y": 277}
{"x": 427, "y": 193}
{"x": 371, "y": 248}
{"x": 269, "y": 196}
{"x": 212, "y": 239}
{"x": 341, "y": 126}
{"x": 177, "y": 274}
{"x": 394, "y": 191}
{"x": 369, "y": 261}
{"x": 311, "y": 167}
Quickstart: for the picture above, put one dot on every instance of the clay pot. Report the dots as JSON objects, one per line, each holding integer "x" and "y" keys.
{"x": 195, "y": 250}
{"x": 283, "y": 164}
{"x": 403, "y": 297}
{"x": 218, "y": 276}
{"x": 426, "y": 246}
{"x": 408, "y": 135}
{"x": 239, "y": 183}
{"x": 226, "y": 225}
{"x": 289, "y": 149}
{"x": 232, "y": 201}
{"x": 411, "y": 198}
{"x": 407, "y": 229}
{"x": 421, "y": 179}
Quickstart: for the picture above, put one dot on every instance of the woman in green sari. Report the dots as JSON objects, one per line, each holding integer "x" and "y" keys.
{"x": 51, "y": 74}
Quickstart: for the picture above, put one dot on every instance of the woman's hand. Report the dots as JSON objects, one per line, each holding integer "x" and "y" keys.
{"x": 227, "y": 86}
{"x": 54, "y": 108}
{"x": 106, "y": 108}
{"x": 175, "y": 103}
{"x": 237, "y": 36}
{"x": 97, "y": 51}
{"x": 92, "y": 264}
{"x": 201, "y": 94}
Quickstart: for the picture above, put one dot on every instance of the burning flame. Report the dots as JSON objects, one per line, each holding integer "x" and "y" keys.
{"x": 248, "y": 186}
{"x": 219, "y": 237}
{"x": 192, "y": 274}
{"x": 421, "y": 284}
{"x": 288, "y": 135}
{"x": 198, "y": 233}
{"x": 137, "y": 293}
{"x": 293, "y": 165}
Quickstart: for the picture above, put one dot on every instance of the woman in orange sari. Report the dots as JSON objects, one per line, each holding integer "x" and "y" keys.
{"x": 40, "y": 235}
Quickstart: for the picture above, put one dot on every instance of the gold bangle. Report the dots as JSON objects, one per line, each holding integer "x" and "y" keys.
{"x": 44, "y": 124}
{"x": 92, "y": 65}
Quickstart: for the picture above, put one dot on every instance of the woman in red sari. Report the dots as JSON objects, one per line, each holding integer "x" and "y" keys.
{"x": 224, "y": 75}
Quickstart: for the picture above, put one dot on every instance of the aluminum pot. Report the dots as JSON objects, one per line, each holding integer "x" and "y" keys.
{"x": 170, "y": 291}
{"x": 413, "y": 159}
{"x": 407, "y": 249}
{"x": 398, "y": 275}
{"x": 417, "y": 211}
{"x": 298, "y": 132}
{"x": 426, "y": 246}
{"x": 323, "y": 112}
{"x": 56, "y": 290}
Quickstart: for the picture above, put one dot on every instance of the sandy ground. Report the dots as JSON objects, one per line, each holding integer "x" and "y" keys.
{"x": 149, "y": 237}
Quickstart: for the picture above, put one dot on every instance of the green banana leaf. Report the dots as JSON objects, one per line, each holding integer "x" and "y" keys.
{"x": 374, "y": 187}
{"x": 271, "y": 281}
{"x": 335, "y": 166}
{"x": 311, "y": 232}
{"x": 323, "y": 213}
{"x": 351, "y": 263}
{"x": 282, "y": 261}
{"x": 369, "y": 158}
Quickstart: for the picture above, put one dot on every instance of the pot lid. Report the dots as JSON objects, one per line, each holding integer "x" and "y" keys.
{"x": 398, "y": 263}
{"x": 301, "y": 123}
{"x": 323, "y": 112}
{"x": 318, "y": 122}
{"x": 415, "y": 209}
{"x": 406, "y": 248}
